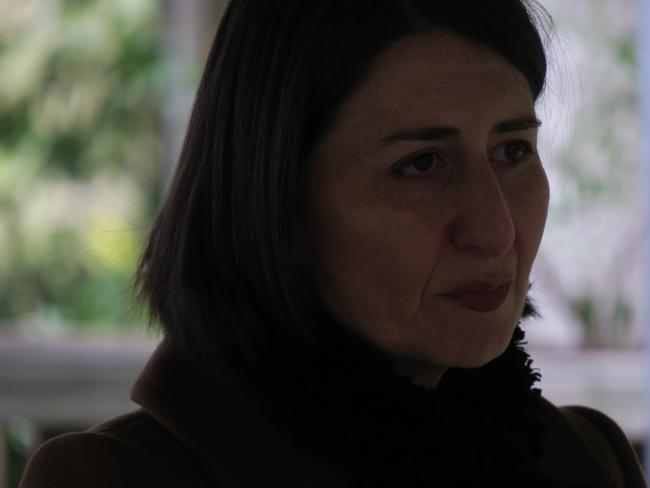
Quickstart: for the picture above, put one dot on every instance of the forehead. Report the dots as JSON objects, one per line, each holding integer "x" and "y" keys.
{"x": 437, "y": 75}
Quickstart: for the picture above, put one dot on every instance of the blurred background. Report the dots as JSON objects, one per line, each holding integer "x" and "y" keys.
{"x": 94, "y": 100}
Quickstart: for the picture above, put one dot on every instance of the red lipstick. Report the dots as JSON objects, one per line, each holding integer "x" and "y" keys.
{"x": 485, "y": 300}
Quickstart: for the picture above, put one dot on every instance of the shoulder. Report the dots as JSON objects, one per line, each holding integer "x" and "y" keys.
{"x": 128, "y": 451}
{"x": 601, "y": 429}
{"x": 607, "y": 439}
{"x": 602, "y": 437}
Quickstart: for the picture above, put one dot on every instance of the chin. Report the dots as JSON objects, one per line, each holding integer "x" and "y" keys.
{"x": 477, "y": 360}
{"x": 475, "y": 353}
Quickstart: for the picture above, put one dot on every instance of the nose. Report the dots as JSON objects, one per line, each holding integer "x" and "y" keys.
{"x": 484, "y": 224}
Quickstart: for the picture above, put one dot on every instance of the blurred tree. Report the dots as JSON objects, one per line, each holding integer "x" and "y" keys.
{"x": 81, "y": 90}
{"x": 591, "y": 259}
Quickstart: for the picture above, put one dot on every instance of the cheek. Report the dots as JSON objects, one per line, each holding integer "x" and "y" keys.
{"x": 371, "y": 260}
{"x": 367, "y": 246}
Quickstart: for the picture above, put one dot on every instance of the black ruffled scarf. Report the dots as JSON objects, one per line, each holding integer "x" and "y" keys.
{"x": 479, "y": 427}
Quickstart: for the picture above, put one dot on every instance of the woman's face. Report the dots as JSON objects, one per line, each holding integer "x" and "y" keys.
{"x": 428, "y": 180}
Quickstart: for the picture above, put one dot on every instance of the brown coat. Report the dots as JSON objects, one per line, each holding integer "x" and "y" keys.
{"x": 189, "y": 434}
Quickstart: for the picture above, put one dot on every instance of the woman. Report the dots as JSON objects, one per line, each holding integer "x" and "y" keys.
{"x": 341, "y": 266}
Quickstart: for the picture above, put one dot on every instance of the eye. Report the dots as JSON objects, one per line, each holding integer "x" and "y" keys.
{"x": 514, "y": 152}
{"x": 419, "y": 165}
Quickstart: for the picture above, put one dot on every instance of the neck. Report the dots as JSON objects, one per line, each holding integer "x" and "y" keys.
{"x": 420, "y": 373}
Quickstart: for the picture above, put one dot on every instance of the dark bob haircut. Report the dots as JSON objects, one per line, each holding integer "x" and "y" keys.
{"x": 218, "y": 271}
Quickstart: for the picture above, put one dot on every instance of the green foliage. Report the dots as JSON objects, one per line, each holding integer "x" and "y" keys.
{"x": 603, "y": 325}
{"x": 81, "y": 89}
{"x": 626, "y": 50}
{"x": 586, "y": 311}
{"x": 20, "y": 437}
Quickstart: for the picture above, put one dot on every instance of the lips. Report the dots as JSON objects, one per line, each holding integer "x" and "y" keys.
{"x": 489, "y": 299}
{"x": 479, "y": 286}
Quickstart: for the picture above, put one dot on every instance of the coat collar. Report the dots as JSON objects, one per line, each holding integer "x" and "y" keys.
{"x": 216, "y": 419}
{"x": 233, "y": 442}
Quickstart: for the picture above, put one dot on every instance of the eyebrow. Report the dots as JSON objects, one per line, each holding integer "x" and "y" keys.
{"x": 439, "y": 133}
